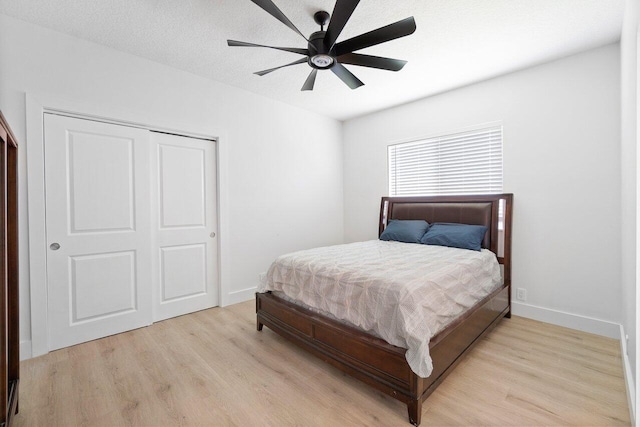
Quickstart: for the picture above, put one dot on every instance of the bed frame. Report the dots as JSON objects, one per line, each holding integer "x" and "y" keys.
{"x": 378, "y": 363}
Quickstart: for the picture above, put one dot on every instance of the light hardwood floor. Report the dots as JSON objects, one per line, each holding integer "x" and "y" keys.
{"x": 214, "y": 368}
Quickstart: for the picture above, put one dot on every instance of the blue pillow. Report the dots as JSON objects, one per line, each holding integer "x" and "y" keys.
{"x": 407, "y": 231}
{"x": 461, "y": 236}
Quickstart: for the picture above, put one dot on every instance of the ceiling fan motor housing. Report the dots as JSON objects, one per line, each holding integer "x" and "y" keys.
{"x": 322, "y": 57}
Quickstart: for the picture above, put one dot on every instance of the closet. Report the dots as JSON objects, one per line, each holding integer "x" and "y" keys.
{"x": 131, "y": 221}
{"x": 9, "y": 315}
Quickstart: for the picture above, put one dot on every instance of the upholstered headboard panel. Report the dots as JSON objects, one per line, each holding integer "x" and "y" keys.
{"x": 476, "y": 210}
{"x": 463, "y": 213}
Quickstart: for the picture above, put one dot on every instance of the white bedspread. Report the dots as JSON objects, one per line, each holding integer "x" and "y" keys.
{"x": 404, "y": 293}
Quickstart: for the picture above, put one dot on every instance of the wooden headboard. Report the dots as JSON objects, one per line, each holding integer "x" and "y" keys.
{"x": 476, "y": 210}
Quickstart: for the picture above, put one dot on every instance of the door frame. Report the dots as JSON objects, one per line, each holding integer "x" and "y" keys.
{"x": 39, "y": 104}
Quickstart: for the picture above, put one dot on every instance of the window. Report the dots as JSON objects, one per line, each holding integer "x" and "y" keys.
{"x": 461, "y": 163}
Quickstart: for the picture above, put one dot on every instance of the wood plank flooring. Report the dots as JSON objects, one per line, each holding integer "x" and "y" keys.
{"x": 214, "y": 368}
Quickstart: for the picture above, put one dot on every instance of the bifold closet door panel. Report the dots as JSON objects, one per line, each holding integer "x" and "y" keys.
{"x": 98, "y": 229}
{"x": 184, "y": 225}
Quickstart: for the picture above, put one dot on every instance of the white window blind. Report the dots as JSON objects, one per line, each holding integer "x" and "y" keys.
{"x": 462, "y": 163}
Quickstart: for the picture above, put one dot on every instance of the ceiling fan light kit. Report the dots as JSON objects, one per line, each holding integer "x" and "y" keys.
{"x": 323, "y": 53}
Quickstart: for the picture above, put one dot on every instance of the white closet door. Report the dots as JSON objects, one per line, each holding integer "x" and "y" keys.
{"x": 184, "y": 224}
{"x": 98, "y": 229}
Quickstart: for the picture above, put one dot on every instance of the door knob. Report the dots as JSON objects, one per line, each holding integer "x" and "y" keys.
{"x": 212, "y": 235}
{"x": 54, "y": 246}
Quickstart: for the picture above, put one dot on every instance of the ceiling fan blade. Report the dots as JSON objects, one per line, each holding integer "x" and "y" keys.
{"x": 269, "y": 7}
{"x": 286, "y": 49}
{"x": 311, "y": 80}
{"x": 372, "y": 61}
{"x": 345, "y": 75}
{"x": 384, "y": 34}
{"x": 263, "y": 72}
{"x": 341, "y": 14}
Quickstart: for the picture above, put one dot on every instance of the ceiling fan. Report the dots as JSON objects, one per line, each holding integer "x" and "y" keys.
{"x": 323, "y": 53}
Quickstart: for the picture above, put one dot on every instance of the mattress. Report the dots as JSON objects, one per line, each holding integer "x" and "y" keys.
{"x": 405, "y": 293}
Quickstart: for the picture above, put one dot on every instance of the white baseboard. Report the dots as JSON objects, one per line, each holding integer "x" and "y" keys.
{"x": 628, "y": 376}
{"x": 568, "y": 320}
{"x": 25, "y": 350}
{"x": 239, "y": 296}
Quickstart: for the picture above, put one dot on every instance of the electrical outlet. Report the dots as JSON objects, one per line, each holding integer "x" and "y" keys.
{"x": 626, "y": 347}
{"x": 521, "y": 294}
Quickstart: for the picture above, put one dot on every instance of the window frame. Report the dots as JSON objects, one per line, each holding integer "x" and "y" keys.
{"x": 447, "y": 134}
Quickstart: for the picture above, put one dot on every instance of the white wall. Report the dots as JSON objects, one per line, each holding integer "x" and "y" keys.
{"x": 561, "y": 160}
{"x": 629, "y": 101}
{"x": 284, "y": 178}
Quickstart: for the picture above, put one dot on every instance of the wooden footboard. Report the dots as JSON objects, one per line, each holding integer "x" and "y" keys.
{"x": 374, "y": 361}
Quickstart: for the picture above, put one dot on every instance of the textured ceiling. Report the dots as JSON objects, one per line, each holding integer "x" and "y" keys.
{"x": 457, "y": 41}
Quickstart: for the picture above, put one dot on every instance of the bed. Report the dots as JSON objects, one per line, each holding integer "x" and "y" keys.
{"x": 372, "y": 359}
